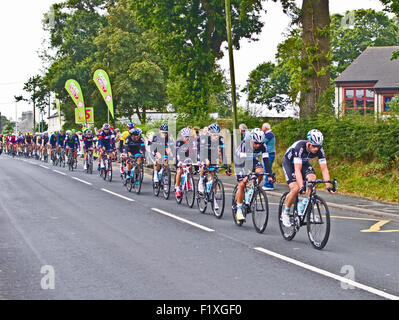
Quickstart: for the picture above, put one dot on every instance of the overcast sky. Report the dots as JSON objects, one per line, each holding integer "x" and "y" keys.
{"x": 22, "y": 35}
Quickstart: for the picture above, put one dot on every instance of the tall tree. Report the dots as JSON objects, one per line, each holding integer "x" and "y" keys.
{"x": 38, "y": 94}
{"x": 137, "y": 72}
{"x": 315, "y": 52}
{"x": 191, "y": 33}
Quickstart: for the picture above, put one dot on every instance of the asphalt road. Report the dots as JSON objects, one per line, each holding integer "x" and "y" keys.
{"x": 70, "y": 235}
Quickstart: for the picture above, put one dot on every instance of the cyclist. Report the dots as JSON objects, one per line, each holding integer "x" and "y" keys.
{"x": 71, "y": 144}
{"x": 61, "y": 141}
{"x": 296, "y": 167}
{"x": 106, "y": 142}
{"x": 134, "y": 147}
{"x": 53, "y": 143}
{"x": 88, "y": 145}
{"x": 29, "y": 141}
{"x": 20, "y": 142}
{"x": 161, "y": 149}
{"x": 247, "y": 160}
{"x": 184, "y": 149}
{"x": 125, "y": 134}
{"x": 44, "y": 142}
{"x": 38, "y": 145}
{"x": 210, "y": 146}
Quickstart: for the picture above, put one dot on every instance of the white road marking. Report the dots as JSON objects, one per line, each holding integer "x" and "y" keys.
{"x": 183, "y": 220}
{"x": 64, "y": 174}
{"x": 88, "y": 183}
{"x": 118, "y": 195}
{"x": 44, "y": 167}
{"x": 329, "y": 274}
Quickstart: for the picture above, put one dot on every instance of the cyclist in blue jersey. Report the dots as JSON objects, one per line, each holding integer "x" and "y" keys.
{"x": 106, "y": 144}
{"x": 71, "y": 144}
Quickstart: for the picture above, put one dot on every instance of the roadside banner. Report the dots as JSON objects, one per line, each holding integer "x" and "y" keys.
{"x": 74, "y": 90}
{"x": 84, "y": 115}
{"x": 103, "y": 84}
{"x": 58, "y": 105}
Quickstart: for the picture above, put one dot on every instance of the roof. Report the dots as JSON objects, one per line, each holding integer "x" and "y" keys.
{"x": 374, "y": 65}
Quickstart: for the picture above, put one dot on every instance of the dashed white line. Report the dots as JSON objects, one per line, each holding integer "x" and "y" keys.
{"x": 59, "y": 172}
{"x": 183, "y": 220}
{"x": 118, "y": 195}
{"x": 85, "y": 182}
{"x": 328, "y": 274}
{"x": 44, "y": 167}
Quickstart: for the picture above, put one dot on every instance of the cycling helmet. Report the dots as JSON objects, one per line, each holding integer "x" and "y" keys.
{"x": 130, "y": 125}
{"x": 315, "y": 137}
{"x": 164, "y": 127}
{"x": 88, "y": 131}
{"x": 139, "y": 131}
{"x": 106, "y": 126}
{"x": 257, "y": 135}
{"x": 68, "y": 132}
{"x": 134, "y": 132}
{"x": 112, "y": 128}
{"x": 186, "y": 132}
{"x": 214, "y": 128}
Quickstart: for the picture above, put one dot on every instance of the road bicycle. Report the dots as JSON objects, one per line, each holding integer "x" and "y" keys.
{"x": 315, "y": 216}
{"x": 164, "y": 182}
{"x": 71, "y": 161}
{"x": 187, "y": 184}
{"x": 106, "y": 171}
{"x": 90, "y": 161}
{"x": 61, "y": 158}
{"x": 214, "y": 193}
{"x": 255, "y": 203}
{"x": 135, "y": 180}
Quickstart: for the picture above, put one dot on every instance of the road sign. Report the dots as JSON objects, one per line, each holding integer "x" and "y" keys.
{"x": 84, "y": 115}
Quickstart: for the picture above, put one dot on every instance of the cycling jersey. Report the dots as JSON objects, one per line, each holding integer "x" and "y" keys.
{"x": 125, "y": 134}
{"x": 61, "y": 139}
{"x": 246, "y": 159}
{"x": 45, "y": 140}
{"x": 186, "y": 150}
{"x": 298, "y": 154}
{"x": 88, "y": 142}
{"x": 106, "y": 140}
{"x": 160, "y": 144}
{"x": 53, "y": 140}
{"x": 209, "y": 149}
{"x": 134, "y": 147}
{"x": 72, "y": 142}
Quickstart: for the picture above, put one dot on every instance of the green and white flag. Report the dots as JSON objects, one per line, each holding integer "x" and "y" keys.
{"x": 103, "y": 84}
{"x": 74, "y": 90}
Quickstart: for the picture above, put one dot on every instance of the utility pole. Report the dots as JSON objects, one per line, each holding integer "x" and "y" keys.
{"x": 232, "y": 72}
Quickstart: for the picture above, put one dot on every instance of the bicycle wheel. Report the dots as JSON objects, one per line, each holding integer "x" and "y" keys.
{"x": 288, "y": 233}
{"x": 166, "y": 182}
{"x": 178, "y": 199}
{"x": 218, "y": 199}
{"x": 202, "y": 199}
{"x": 190, "y": 192}
{"x": 129, "y": 184}
{"x": 234, "y": 208}
{"x": 137, "y": 180}
{"x": 142, "y": 171}
{"x": 156, "y": 187}
{"x": 318, "y": 223}
{"x": 260, "y": 210}
{"x": 109, "y": 170}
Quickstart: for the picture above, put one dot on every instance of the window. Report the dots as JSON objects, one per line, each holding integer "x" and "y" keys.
{"x": 387, "y": 100}
{"x": 359, "y": 101}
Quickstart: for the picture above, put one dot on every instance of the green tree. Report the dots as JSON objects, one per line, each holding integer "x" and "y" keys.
{"x": 138, "y": 75}
{"x": 190, "y": 35}
{"x": 38, "y": 94}
{"x": 267, "y": 85}
{"x": 72, "y": 48}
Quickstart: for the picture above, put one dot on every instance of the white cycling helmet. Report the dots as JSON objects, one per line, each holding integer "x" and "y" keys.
{"x": 186, "y": 132}
{"x": 257, "y": 135}
{"x": 315, "y": 137}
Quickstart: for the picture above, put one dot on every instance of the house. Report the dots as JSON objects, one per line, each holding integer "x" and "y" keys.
{"x": 369, "y": 83}
{"x": 54, "y": 123}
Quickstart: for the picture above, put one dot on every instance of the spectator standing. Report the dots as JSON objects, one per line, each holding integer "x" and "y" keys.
{"x": 270, "y": 141}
